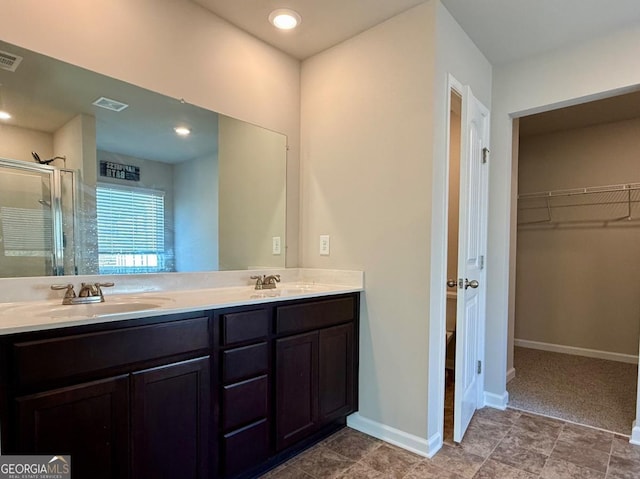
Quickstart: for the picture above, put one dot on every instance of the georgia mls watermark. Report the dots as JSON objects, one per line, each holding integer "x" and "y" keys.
{"x": 35, "y": 467}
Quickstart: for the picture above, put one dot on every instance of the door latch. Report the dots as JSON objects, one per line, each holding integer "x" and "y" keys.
{"x": 470, "y": 284}
{"x": 485, "y": 155}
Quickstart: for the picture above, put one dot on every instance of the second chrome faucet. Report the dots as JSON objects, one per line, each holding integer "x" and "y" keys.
{"x": 266, "y": 282}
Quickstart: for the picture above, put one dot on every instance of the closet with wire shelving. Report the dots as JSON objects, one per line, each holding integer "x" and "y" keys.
{"x": 577, "y": 294}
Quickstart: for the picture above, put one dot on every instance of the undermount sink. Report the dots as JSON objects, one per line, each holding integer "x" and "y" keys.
{"x": 95, "y": 309}
{"x": 123, "y": 304}
{"x": 287, "y": 291}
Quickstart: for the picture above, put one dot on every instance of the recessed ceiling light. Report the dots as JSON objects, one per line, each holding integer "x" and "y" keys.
{"x": 182, "y": 131}
{"x": 285, "y": 19}
{"x": 4, "y": 115}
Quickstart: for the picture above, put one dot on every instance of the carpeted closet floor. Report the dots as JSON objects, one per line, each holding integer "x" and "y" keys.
{"x": 589, "y": 391}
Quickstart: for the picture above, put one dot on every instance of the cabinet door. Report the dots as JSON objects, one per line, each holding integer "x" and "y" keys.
{"x": 170, "y": 418}
{"x": 88, "y": 421}
{"x": 296, "y": 388}
{"x": 336, "y": 378}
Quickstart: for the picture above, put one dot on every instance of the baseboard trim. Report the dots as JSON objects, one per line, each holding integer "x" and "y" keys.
{"x": 410, "y": 442}
{"x": 590, "y": 353}
{"x": 511, "y": 373}
{"x": 635, "y": 434}
{"x": 496, "y": 401}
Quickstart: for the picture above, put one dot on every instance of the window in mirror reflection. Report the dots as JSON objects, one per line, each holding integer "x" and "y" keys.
{"x": 131, "y": 237}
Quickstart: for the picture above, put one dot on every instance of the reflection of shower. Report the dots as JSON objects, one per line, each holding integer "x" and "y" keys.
{"x": 46, "y": 162}
{"x": 46, "y": 231}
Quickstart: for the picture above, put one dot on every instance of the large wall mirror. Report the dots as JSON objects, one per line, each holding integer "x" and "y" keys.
{"x": 98, "y": 176}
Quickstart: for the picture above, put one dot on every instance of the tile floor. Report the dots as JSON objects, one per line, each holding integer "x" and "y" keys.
{"x": 498, "y": 445}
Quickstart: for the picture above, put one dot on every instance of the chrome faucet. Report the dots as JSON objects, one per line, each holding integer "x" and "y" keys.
{"x": 266, "y": 282}
{"x": 89, "y": 293}
{"x": 258, "y": 279}
{"x": 269, "y": 282}
{"x": 69, "y": 294}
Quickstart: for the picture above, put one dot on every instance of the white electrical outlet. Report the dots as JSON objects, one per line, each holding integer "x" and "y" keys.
{"x": 324, "y": 245}
{"x": 275, "y": 245}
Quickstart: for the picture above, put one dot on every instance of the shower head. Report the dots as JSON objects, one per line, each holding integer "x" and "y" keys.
{"x": 46, "y": 162}
{"x": 45, "y": 203}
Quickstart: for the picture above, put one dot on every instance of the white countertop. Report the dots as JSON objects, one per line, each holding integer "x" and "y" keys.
{"x": 23, "y": 316}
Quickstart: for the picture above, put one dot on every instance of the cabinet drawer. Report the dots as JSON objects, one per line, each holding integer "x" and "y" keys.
{"x": 68, "y": 356}
{"x": 244, "y": 402}
{"x": 245, "y": 448}
{"x": 241, "y": 363}
{"x": 245, "y": 326}
{"x": 314, "y": 315}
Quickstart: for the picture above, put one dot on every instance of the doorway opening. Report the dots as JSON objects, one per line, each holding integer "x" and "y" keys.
{"x": 455, "y": 129}
{"x": 577, "y": 311}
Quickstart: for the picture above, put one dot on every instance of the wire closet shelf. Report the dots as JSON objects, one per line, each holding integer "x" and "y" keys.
{"x": 580, "y": 205}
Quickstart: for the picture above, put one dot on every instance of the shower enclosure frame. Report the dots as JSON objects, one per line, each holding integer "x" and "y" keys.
{"x": 55, "y": 198}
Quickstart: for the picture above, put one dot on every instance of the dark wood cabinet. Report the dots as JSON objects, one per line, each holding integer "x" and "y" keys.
{"x": 124, "y": 402}
{"x": 288, "y": 374}
{"x": 296, "y": 388}
{"x": 223, "y": 394}
{"x": 245, "y": 448}
{"x": 336, "y": 372}
{"x": 314, "y": 381}
{"x": 170, "y": 421}
{"x": 244, "y": 425}
{"x": 88, "y": 421}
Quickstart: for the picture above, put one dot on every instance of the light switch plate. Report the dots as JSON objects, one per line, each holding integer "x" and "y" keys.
{"x": 324, "y": 245}
{"x": 276, "y": 245}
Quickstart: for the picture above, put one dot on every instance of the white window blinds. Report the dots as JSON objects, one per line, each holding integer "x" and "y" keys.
{"x": 131, "y": 230}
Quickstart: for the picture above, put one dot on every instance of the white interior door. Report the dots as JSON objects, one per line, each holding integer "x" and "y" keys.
{"x": 471, "y": 258}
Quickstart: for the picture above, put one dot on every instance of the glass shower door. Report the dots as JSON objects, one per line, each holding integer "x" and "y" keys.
{"x": 31, "y": 226}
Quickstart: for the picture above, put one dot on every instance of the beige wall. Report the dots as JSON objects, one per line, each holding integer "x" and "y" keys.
{"x": 76, "y": 140}
{"x": 374, "y": 112}
{"x": 367, "y": 151}
{"x": 577, "y": 282}
{"x": 188, "y": 53}
{"x": 17, "y": 143}
{"x": 251, "y": 195}
{"x": 196, "y": 214}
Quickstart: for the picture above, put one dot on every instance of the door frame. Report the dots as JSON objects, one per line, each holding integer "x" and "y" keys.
{"x": 438, "y": 288}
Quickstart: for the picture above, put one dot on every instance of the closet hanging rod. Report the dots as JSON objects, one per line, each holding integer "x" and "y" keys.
{"x": 582, "y": 191}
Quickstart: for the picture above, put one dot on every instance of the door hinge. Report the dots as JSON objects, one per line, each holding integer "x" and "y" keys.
{"x": 485, "y": 155}
{"x": 479, "y": 367}
{"x": 481, "y": 262}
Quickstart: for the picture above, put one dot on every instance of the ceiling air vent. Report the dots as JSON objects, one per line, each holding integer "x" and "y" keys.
{"x": 109, "y": 104}
{"x": 9, "y": 61}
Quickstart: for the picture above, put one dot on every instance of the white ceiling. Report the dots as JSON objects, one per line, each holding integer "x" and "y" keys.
{"x": 503, "y": 29}
{"x": 506, "y": 30}
{"x": 325, "y": 23}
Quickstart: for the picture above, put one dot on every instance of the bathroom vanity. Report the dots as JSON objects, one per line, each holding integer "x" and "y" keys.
{"x": 183, "y": 392}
